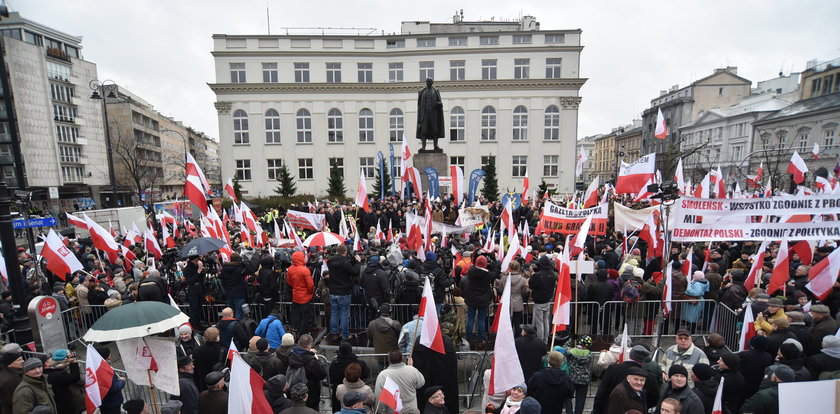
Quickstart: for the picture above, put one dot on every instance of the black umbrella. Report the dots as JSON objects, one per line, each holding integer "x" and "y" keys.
{"x": 201, "y": 246}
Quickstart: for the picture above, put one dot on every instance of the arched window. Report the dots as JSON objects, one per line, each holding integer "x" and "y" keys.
{"x": 365, "y": 125}
{"x": 272, "y": 127}
{"x": 552, "y": 123}
{"x": 456, "y": 124}
{"x": 520, "y": 123}
{"x": 240, "y": 127}
{"x": 335, "y": 126}
{"x": 396, "y": 125}
{"x": 488, "y": 123}
{"x": 303, "y": 120}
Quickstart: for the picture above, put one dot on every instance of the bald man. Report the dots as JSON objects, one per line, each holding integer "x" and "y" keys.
{"x": 232, "y": 328}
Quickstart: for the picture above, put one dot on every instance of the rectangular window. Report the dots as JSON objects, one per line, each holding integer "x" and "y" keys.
{"x": 67, "y": 134}
{"x": 829, "y": 137}
{"x": 737, "y": 152}
{"x": 426, "y": 42}
{"x": 334, "y": 72}
{"x": 552, "y": 68}
{"x": 70, "y": 153}
{"x": 61, "y": 93}
{"x": 13, "y": 33}
{"x": 33, "y": 38}
{"x": 395, "y": 72}
{"x": 365, "y": 72}
{"x": 519, "y": 165}
{"x": 488, "y": 69}
{"x": 365, "y": 126}
{"x": 243, "y": 169}
{"x": 458, "y": 41}
{"x": 551, "y": 165}
{"x": 58, "y": 71}
{"x": 521, "y": 68}
{"x": 395, "y": 43}
{"x": 456, "y": 124}
{"x": 301, "y": 72}
{"x": 273, "y": 168}
{"x": 485, "y": 160}
{"x": 64, "y": 113}
{"x": 367, "y": 166}
{"x": 72, "y": 174}
{"x": 488, "y": 40}
{"x": 521, "y": 39}
{"x": 457, "y": 70}
{"x": 269, "y": 72}
{"x": 337, "y": 163}
{"x": 237, "y": 73}
{"x": 305, "y": 169}
{"x": 457, "y": 161}
{"x": 555, "y": 38}
{"x": 427, "y": 70}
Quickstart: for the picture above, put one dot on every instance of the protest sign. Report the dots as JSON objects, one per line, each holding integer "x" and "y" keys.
{"x": 163, "y": 351}
{"x": 556, "y": 219}
{"x": 306, "y": 220}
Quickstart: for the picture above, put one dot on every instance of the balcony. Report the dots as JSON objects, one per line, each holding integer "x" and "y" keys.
{"x": 57, "y": 53}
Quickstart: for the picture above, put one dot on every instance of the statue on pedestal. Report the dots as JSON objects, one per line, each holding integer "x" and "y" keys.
{"x": 430, "y": 116}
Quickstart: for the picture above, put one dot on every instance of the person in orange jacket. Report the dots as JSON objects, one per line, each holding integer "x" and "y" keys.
{"x": 303, "y": 288}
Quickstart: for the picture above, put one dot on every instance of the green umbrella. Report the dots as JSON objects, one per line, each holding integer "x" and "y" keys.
{"x": 135, "y": 320}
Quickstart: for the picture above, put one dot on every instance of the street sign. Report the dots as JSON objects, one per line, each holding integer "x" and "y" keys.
{"x": 35, "y": 222}
{"x": 53, "y": 193}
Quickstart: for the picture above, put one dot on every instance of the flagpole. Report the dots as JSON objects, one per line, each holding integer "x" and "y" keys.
{"x": 664, "y": 215}
{"x": 152, "y": 391}
{"x": 637, "y": 238}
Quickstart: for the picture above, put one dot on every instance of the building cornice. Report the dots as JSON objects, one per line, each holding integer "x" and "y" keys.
{"x": 425, "y": 51}
{"x": 396, "y": 35}
{"x": 573, "y": 84}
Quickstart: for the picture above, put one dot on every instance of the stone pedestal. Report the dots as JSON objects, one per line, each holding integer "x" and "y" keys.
{"x": 437, "y": 160}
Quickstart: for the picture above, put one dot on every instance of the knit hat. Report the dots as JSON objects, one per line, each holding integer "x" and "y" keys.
{"x": 276, "y": 383}
{"x": 529, "y": 405}
{"x": 31, "y": 364}
{"x": 733, "y": 361}
{"x": 677, "y": 369}
{"x": 529, "y": 329}
{"x": 794, "y": 342}
{"x": 60, "y": 355}
{"x": 759, "y": 342}
{"x": 10, "y": 348}
{"x": 184, "y": 361}
{"x": 288, "y": 340}
{"x": 784, "y": 373}
{"x": 612, "y": 274}
{"x": 639, "y": 353}
{"x": 373, "y": 260}
{"x": 298, "y": 392}
{"x": 585, "y": 341}
{"x": 385, "y": 309}
{"x": 134, "y": 406}
{"x": 185, "y": 328}
{"x": 703, "y": 372}
{"x": 481, "y": 262}
{"x": 521, "y": 386}
{"x": 431, "y": 257}
{"x": 352, "y": 398}
{"x": 639, "y": 272}
{"x": 789, "y": 351}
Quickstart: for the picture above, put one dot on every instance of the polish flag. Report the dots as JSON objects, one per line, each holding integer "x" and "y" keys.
{"x": 102, "y": 239}
{"x": 687, "y": 263}
{"x": 747, "y": 329}
{"x": 754, "y": 181}
{"x": 717, "y": 406}
{"x": 193, "y": 191}
{"x": 245, "y": 235}
{"x": 248, "y": 217}
{"x": 379, "y": 234}
{"x": 168, "y": 241}
{"x": 590, "y": 199}
{"x": 230, "y": 191}
{"x": 357, "y": 244}
{"x": 342, "y": 225}
{"x": 758, "y": 263}
{"x": 720, "y": 185}
{"x": 152, "y": 246}
{"x": 457, "y": 176}
{"x": 294, "y": 236}
{"x": 781, "y": 270}
{"x": 823, "y": 185}
{"x": 797, "y": 167}
{"x": 702, "y": 189}
{"x": 391, "y": 234}
{"x": 737, "y": 192}
{"x": 505, "y": 371}
{"x": 562, "y": 295}
{"x": 111, "y": 229}
{"x": 430, "y": 335}
{"x": 166, "y": 218}
{"x": 513, "y": 250}
{"x": 815, "y": 152}
{"x": 60, "y": 260}
{"x": 413, "y": 175}
{"x": 582, "y": 158}
{"x": 580, "y": 238}
{"x": 145, "y": 359}
{"x": 667, "y": 290}
{"x": 643, "y": 192}
{"x": 824, "y": 274}
{"x": 805, "y": 250}
{"x": 390, "y": 395}
{"x": 98, "y": 378}
{"x": 232, "y": 351}
{"x": 631, "y": 177}
{"x": 245, "y": 389}
{"x": 427, "y": 229}
{"x": 625, "y": 345}
{"x": 361, "y": 193}
{"x": 194, "y": 170}
{"x": 526, "y": 185}
{"x": 506, "y": 219}
{"x": 679, "y": 177}
{"x": 75, "y": 221}
{"x": 4, "y": 272}
{"x": 661, "y": 131}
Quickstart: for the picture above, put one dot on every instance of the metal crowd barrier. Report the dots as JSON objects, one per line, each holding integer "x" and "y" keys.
{"x": 728, "y": 323}
{"x": 642, "y": 317}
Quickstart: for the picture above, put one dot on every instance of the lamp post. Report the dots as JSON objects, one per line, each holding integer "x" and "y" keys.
{"x": 98, "y": 86}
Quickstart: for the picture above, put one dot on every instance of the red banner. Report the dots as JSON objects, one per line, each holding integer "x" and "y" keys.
{"x": 306, "y": 220}
{"x": 556, "y": 219}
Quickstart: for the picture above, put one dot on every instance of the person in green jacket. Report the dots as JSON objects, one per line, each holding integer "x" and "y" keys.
{"x": 33, "y": 390}
{"x": 766, "y": 400}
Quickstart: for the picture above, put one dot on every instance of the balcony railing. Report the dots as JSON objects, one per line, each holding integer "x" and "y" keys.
{"x": 58, "y": 54}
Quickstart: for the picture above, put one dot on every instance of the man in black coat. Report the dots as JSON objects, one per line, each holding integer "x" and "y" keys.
{"x": 376, "y": 284}
{"x": 194, "y": 280}
{"x": 753, "y": 363}
{"x": 342, "y": 273}
{"x": 530, "y": 350}
{"x": 438, "y": 369}
{"x": 705, "y": 385}
{"x": 615, "y": 375}
{"x": 441, "y": 280}
{"x": 542, "y": 285}
{"x": 551, "y": 386}
{"x": 189, "y": 392}
{"x": 304, "y": 356}
{"x": 824, "y": 325}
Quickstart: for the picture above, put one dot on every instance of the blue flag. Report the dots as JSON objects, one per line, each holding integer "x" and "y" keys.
{"x": 393, "y": 186}
{"x": 475, "y": 177}
{"x": 434, "y": 183}
{"x": 381, "y": 175}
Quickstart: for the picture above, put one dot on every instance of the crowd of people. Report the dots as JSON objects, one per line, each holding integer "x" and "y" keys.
{"x": 380, "y": 284}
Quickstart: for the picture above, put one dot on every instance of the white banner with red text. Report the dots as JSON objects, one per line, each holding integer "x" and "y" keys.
{"x": 309, "y": 221}
{"x": 556, "y": 219}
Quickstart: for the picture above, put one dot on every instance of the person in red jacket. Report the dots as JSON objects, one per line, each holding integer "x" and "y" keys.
{"x": 303, "y": 288}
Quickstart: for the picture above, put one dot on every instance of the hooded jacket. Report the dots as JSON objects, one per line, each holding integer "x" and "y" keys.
{"x": 274, "y": 394}
{"x": 376, "y": 284}
{"x": 383, "y": 332}
{"x": 478, "y": 293}
{"x": 299, "y": 278}
{"x": 543, "y": 281}
{"x": 690, "y": 402}
{"x": 342, "y": 272}
{"x": 518, "y": 290}
{"x": 551, "y": 387}
{"x": 267, "y": 278}
{"x": 233, "y": 280}
{"x": 300, "y": 357}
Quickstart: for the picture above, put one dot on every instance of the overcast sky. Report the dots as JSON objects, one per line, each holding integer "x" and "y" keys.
{"x": 160, "y": 50}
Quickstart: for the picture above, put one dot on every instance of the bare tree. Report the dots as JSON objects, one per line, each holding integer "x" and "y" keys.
{"x": 139, "y": 161}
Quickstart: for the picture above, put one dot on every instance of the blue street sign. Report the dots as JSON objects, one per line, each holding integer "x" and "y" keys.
{"x": 36, "y": 222}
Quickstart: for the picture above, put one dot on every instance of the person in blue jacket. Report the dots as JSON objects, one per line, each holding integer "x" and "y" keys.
{"x": 271, "y": 328}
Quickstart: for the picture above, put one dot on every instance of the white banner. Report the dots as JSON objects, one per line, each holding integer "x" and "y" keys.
{"x": 306, "y": 220}
{"x": 777, "y": 206}
{"x": 472, "y": 216}
{"x": 438, "y": 227}
{"x": 630, "y": 219}
{"x": 163, "y": 350}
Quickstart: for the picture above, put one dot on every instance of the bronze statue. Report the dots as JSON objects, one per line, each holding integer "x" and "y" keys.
{"x": 429, "y": 115}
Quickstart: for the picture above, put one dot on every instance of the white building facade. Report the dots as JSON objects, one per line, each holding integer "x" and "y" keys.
{"x": 509, "y": 91}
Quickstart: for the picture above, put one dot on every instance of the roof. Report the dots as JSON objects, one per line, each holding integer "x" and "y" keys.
{"x": 805, "y": 107}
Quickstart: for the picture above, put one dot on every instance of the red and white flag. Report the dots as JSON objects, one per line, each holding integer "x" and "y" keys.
{"x": 413, "y": 175}
{"x": 430, "y": 335}
{"x": 361, "y": 193}
{"x": 798, "y": 168}
{"x": 194, "y": 192}
{"x": 644, "y": 194}
{"x": 758, "y": 263}
{"x": 111, "y": 229}
{"x": 168, "y": 241}
{"x": 513, "y": 250}
{"x": 667, "y": 289}
{"x": 754, "y": 181}
{"x": 632, "y": 177}
{"x": 379, "y": 234}
{"x": 102, "y": 239}
{"x": 815, "y": 152}
{"x": 687, "y": 264}
{"x": 232, "y": 350}
{"x": 390, "y": 395}
{"x": 245, "y": 390}
{"x": 590, "y": 198}
{"x": 581, "y": 160}
{"x": 768, "y": 190}
{"x": 822, "y": 185}
{"x": 702, "y": 189}
{"x": 781, "y": 269}
{"x": 661, "y": 130}
{"x": 717, "y": 406}
{"x": 679, "y": 177}
{"x": 145, "y": 359}
{"x": 98, "y": 378}
{"x": 505, "y": 371}
{"x": 805, "y": 250}
{"x": 60, "y": 260}
{"x": 562, "y": 295}
{"x": 4, "y": 272}
{"x": 747, "y": 329}
{"x": 720, "y": 185}
{"x": 76, "y": 221}
{"x": 457, "y": 176}
{"x": 152, "y": 246}
{"x": 580, "y": 238}
{"x": 625, "y": 345}
{"x": 193, "y": 169}
{"x": 527, "y": 185}
{"x": 823, "y": 275}
{"x": 230, "y": 191}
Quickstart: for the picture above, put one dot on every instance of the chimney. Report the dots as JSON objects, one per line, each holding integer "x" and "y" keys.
{"x": 663, "y": 93}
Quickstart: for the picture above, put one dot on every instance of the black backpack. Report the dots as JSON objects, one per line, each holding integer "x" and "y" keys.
{"x": 630, "y": 291}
